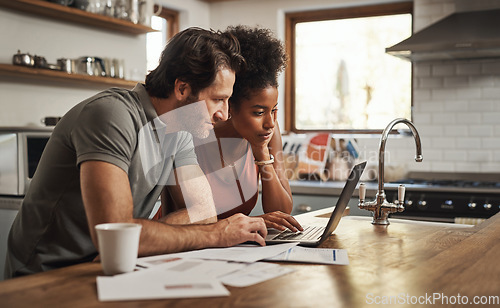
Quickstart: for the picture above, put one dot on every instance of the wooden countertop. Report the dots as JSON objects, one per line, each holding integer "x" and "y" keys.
{"x": 405, "y": 260}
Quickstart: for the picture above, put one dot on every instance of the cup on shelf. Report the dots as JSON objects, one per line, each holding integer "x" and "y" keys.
{"x": 50, "y": 121}
{"x": 81, "y": 4}
{"x": 63, "y": 2}
{"x": 121, "y": 9}
{"x": 97, "y": 6}
{"x": 119, "y": 68}
{"x": 67, "y": 65}
{"x": 109, "y": 7}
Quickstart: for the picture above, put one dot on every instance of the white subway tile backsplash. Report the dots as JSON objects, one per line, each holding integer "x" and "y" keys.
{"x": 491, "y": 67}
{"x": 429, "y": 106}
{"x": 444, "y": 94}
{"x": 468, "y": 167}
{"x": 443, "y": 69}
{"x": 482, "y": 81}
{"x": 468, "y": 69}
{"x": 443, "y": 143}
{"x": 468, "y": 118}
{"x": 469, "y": 93}
{"x": 491, "y": 93}
{"x": 421, "y": 22}
{"x": 490, "y": 143}
{"x": 444, "y": 118}
{"x": 424, "y": 2}
{"x": 449, "y": 7}
{"x": 429, "y": 131}
{"x": 491, "y": 118}
{"x": 484, "y": 105}
{"x": 468, "y": 143}
{"x": 456, "y": 105}
{"x": 490, "y": 167}
{"x": 456, "y": 155}
{"x": 479, "y": 156}
{"x": 423, "y": 70}
{"x": 461, "y": 81}
{"x": 433, "y": 155}
{"x": 496, "y": 130}
{"x": 480, "y": 131}
{"x": 421, "y": 94}
{"x": 431, "y": 83}
{"x": 442, "y": 166}
{"x": 431, "y": 9}
{"x": 422, "y": 119}
{"x": 455, "y": 131}
{"x": 426, "y": 142}
{"x": 496, "y": 156}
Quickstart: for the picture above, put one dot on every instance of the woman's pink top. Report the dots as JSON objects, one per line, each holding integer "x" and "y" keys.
{"x": 235, "y": 187}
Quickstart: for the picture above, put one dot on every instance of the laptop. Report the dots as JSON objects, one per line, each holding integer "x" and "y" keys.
{"x": 313, "y": 236}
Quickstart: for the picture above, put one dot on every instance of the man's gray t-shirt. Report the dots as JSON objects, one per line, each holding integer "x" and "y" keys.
{"x": 117, "y": 126}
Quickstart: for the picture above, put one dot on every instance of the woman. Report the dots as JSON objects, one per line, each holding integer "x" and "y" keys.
{"x": 248, "y": 145}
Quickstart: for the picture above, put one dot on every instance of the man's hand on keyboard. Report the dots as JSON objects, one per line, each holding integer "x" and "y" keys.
{"x": 281, "y": 221}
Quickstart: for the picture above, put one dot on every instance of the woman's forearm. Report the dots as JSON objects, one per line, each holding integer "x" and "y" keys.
{"x": 276, "y": 193}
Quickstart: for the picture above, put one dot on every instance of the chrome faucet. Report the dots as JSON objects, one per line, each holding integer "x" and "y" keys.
{"x": 380, "y": 207}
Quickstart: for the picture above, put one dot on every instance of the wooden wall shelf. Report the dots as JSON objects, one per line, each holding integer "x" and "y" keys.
{"x": 74, "y": 15}
{"x": 63, "y": 77}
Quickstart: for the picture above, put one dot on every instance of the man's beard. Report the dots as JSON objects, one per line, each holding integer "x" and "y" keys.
{"x": 196, "y": 121}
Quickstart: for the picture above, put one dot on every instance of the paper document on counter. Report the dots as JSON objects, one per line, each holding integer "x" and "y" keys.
{"x": 240, "y": 253}
{"x": 185, "y": 278}
{"x": 255, "y": 273}
{"x": 313, "y": 255}
{"x": 211, "y": 268}
{"x": 177, "y": 279}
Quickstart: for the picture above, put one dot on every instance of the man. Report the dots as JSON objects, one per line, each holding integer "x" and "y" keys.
{"x": 110, "y": 156}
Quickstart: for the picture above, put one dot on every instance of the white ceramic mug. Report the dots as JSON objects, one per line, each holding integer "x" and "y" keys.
{"x": 118, "y": 246}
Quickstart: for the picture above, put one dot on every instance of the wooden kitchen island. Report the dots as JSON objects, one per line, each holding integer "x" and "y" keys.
{"x": 405, "y": 262}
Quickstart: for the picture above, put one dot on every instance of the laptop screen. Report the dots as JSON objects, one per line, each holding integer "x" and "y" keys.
{"x": 344, "y": 198}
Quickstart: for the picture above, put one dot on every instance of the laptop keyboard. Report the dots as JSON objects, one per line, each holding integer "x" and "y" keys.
{"x": 309, "y": 233}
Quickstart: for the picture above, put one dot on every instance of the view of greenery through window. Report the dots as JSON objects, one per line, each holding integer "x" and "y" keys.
{"x": 343, "y": 77}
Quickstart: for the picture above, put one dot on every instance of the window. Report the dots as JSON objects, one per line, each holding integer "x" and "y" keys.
{"x": 166, "y": 21}
{"x": 339, "y": 77}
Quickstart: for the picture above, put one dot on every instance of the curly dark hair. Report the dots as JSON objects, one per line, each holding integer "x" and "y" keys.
{"x": 194, "y": 55}
{"x": 265, "y": 58}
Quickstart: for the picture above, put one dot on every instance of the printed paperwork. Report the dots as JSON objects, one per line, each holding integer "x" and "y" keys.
{"x": 255, "y": 273}
{"x": 202, "y": 273}
{"x": 175, "y": 279}
{"x": 184, "y": 278}
{"x": 240, "y": 253}
{"x": 313, "y": 255}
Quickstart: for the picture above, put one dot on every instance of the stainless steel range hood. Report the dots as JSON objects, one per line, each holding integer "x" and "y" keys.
{"x": 462, "y": 35}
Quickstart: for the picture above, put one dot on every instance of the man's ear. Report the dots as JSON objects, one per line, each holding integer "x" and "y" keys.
{"x": 182, "y": 90}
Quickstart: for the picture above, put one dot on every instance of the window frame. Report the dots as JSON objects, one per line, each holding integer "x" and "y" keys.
{"x": 292, "y": 18}
{"x": 172, "y": 18}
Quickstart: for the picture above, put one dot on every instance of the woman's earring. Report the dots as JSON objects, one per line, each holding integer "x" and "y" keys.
{"x": 229, "y": 117}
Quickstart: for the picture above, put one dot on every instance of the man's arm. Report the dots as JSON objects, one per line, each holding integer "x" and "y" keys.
{"x": 107, "y": 198}
{"x": 195, "y": 207}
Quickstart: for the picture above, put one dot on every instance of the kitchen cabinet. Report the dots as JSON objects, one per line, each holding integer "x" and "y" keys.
{"x": 74, "y": 15}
